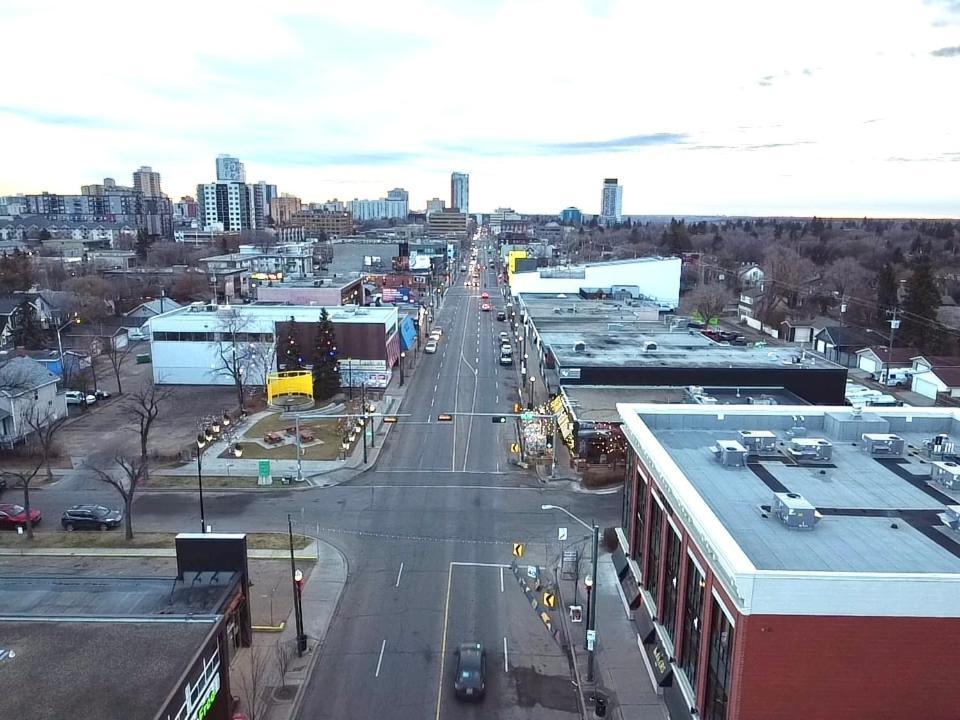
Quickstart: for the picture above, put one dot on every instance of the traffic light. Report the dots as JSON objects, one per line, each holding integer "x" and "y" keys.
{"x": 499, "y": 419}
{"x": 517, "y": 407}
{"x": 444, "y": 417}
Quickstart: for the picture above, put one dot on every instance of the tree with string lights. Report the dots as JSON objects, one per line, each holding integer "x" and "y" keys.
{"x": 290, "y": 352}
{"x": 326, "y": 375}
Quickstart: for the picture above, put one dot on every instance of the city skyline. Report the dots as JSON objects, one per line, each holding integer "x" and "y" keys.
{"x": 825, "y": 119}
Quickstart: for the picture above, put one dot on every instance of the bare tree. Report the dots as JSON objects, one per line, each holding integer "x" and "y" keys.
{"x": 118, "y": 356}
{"x": 284, "y": 653}
{"x": 44, "y": 426}
{"x": 132, "y": 471}
{"x": 143, "y": 407}
{"x": 710, "y": 300}
{"x": 244, "y": 359}
{"x": 252, "y": 683}
{"x": 785, "y": 273}
{"x": 22, "y": 479}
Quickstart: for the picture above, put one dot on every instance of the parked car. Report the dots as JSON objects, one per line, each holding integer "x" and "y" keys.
{"x": 501, "y": 315}
{"x": 91, "y": 517}
{"x": 504, "y": 336}
{"x": 75, "y": 397}
{"x": 470, "y": 680}
{"x": 14, "y": 516}
{"x": 431, "y": 347}
{"x": 101, "y": 395}
{"x": 506, "y": 358}
{"x": 435, "y": 336}
{"x": 506, "y": 348}
{"x": 138, "y": 334}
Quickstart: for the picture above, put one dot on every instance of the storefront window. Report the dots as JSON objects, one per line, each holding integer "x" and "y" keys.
{"x": 653, "y": 567}
{"x": 718, "y": 669}
{"x": 690, "y": 649}
{"x": 639, "y": 538}
{"x": 669, "y": 614}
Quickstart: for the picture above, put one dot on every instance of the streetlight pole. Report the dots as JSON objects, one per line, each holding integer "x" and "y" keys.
{"x": 591, "y": 586}
{"x": 297, "y": 577}
{"x": 296, "y": 420}
{"x": 402, "y": 356}
{"x": 201, "y": 443}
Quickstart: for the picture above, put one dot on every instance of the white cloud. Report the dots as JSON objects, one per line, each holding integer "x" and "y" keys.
{"x": 350, "y": 99}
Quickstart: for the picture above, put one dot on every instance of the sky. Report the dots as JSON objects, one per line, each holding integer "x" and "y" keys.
{"x": 835, "y": 108}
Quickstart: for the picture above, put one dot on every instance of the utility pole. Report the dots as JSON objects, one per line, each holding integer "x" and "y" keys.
{"x": 843, "y": 307}
{"x": 299, "y": 448}
{"x": 894, "y": 326}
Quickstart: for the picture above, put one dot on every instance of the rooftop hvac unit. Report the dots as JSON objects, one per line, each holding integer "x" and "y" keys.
{"x": 649, "y": 346}
{"x": 939, "y": 446}
{"x": 579, "y": 346}
{"x": 946, "y": 474}
{"x": 804, "y": 449}
{"x": 730, "y": 453}
{"x": 795, "y": 511}
{"x": 882, "y": 444}
{"x": 759, "y": 442}
{"x": 951, "y": 517}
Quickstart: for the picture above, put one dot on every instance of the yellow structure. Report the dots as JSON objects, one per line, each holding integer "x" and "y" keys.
{"x": 512, "y": 258}
{"x": 289, "y": 384}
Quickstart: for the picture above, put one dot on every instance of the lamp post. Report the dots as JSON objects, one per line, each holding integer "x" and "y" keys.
{"x": 402, "y": 356}
{"x": 201, "y": 444}
{"x": 591, "y": 584}
{"x": 297, "y": 577}
{"x": 532, "y": 399}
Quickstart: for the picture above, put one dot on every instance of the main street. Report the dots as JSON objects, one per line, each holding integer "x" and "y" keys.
{"x": 425, "y": 533}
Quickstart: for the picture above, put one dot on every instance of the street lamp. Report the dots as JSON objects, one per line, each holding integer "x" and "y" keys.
{"x": 202, "y": 440}
{"x": 591, "y": 583}
{"x": 297, "y": 577}
{"x": 402, "y": 356}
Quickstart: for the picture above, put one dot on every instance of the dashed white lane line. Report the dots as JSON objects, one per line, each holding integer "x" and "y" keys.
{"x": 397, "y": 584}
{"x": 501, "y": 579}
{"x": 380, "y": 661}
{"x": 506, "y": 664}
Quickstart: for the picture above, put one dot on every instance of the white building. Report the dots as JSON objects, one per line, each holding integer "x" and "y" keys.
{"x": 191, "y": 345}
{"x": 652, "y": 278}
{"x": 226, "y": 204}
{"x": 460, "y": 192}
{"x": 29, "y": 394}
{"x": 230, "y": 169}
{"x": 382, "y": 209}
{"x": 611, "y": 203}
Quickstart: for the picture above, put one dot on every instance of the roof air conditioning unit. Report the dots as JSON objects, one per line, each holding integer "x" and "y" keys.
{"x": 795, "y": 511}
{"x": 730, "y": 453}
{"x": 946, "y": 474}
{"x": 759, "y": 442}
{"x": 804, "y": 450}
{"x": 951, "y": 518}
{"x": 883, "y": 444}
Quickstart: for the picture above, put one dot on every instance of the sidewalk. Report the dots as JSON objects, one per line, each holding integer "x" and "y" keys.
{"x": 619, "y": 672}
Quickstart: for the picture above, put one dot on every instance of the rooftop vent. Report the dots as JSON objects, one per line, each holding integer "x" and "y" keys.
{"x": 730, "y": 453}
{"x": 795, "y": 511}
{"x": 759, "y": 442}
{"x": 579, "y": 346}
{"x": 951, "y": 517}
{"x": 807, "y": 450}
{"x": 649, "y": 346}
{"x": 946, "y": 474}
{"x": 882, "y": 444}
{"x": 939, "y": 446}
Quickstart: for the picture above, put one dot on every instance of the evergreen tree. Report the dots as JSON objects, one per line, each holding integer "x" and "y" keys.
{"x": 144, "y": 241}
{"x": 29, "y": 332}
{"x": 290, "y": 353}
{"x": 920, "y": 327}
{"x": 886, "y": 291}
{"x": 16, "y": 272}
{"x": 326, "y": 375}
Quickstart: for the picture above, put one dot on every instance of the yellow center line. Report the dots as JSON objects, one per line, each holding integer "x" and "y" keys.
{"x": 443, "y": 643}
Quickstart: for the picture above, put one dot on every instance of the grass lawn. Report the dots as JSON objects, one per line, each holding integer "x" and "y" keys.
{"x": 115, "y": 539}
{"x": 324, "y": 430}
{"x": 214, "y": 481}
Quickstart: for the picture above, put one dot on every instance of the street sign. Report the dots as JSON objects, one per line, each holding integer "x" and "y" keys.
{"x": 515, "y": 447}
{"x": 591, "y": 639}
{"x": 263, "y": 473}
{"x": 561, "y": 533}
{"x": 518, "y": 550}
{"x": 550, "y": 600}
{"x": 533, "y": 571}
{"x": 576, "y": 613}
{"x": 527, "y": 416}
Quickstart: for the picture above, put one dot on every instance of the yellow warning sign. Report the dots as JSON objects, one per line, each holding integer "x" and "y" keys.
{"x": 518, "y": 550}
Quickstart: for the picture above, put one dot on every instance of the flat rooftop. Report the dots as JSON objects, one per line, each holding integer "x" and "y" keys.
{"x": 598, "y": 403}
{"x": 256, "y": 317}
{"x": 568, "y": 309}
{"x": 605, "y": 344}
{"x": 880, "y": 513}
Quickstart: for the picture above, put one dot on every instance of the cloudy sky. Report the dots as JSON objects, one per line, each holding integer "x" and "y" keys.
{"x": 835, "y": 107}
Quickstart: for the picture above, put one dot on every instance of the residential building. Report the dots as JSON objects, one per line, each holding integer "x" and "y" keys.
{"x": 226, "y": 206}
{"x": 329, "y": 206}
{"x": 935, "y": 374}
{"x": 151, "y": 308}
{"x": 283, "y": 208}
{"x": 460, "y": 192}
{"x": 186, "y": 210}
{"x": 330, "y": 223}
{"x": 12, "y": 206}
{"x": 28, "y": 394}
{"x": 389, "y": 208}
{"x": 775, "y": 560}
{"x": 187, "y": 346}
{"x": 503, "y": 220}
{"x": 611, "y": 203}
{"x": 447, "y": 222}
{"x": 95, "y": 337}
{"x": 230, "y": 169}
{"x": 147, "y": 182}
{"x": 263, "y": 197}
{"x": 571, "y": 216}
{"x": 841, "y": 344}
{"x": 111, "y": 259}
{"x": 750, "y": 275}
{"x": 435, "y": 205}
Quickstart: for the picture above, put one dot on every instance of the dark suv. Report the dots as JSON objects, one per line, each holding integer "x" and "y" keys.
{"x": 471, "y": 680}
{"x": 91, "y": 517}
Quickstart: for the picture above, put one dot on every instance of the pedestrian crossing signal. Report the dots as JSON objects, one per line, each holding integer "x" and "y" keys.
{"x": 518, "y": 550}
{"x": 549, "y": 600}
{"x": 517, "y": 407}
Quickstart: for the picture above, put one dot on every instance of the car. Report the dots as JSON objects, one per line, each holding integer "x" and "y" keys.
{"x": 504, "y": 336}
{"x": 437, "y": 329}
{"x": 137, "y": 334}
{"x": 75, "y": 397}
{"x": 484, "y": 296}
{"x": 485, "y": 307}
{"x": 505, "y": 348}
{"x": 470, "y": 680}
{"x": 90, "y": 517}
{"x": 506, "y": 358}
{"x": 14, "y": 516}
{"x": 501, "y": 315}
{"x": 101, "y": 394}
{"x": 431, "y": 347}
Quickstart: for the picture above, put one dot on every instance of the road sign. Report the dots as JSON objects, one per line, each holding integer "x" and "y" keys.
{"x": 527, "y": 416}
{"x": 576, "y": 613}
{"x": 550, "y": 600}
{"x": 561, "y": 533}
{"x": 263, "y": 473}
{"x": 533, "y": 571}
{"x": 518, "y": 550}
{"x": 515, "y": 447}
{"x": 591, "y": 639}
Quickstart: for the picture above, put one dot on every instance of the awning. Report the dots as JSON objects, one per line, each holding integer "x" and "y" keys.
{"x": 408, "y": 333}
{"x": 659, "y": 659}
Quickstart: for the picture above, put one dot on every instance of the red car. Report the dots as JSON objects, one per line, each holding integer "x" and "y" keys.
{"x": 485, "y": 296}
{"x": 13, "y": 516}
{"x": 485, "y": 307}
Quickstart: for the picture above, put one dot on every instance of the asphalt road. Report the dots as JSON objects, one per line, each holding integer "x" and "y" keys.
{"x": 441, "y": 493}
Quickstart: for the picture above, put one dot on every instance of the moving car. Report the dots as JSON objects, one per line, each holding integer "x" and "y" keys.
{"x": 470, "y": 681}
{"x": 431, "y": 347}
{"x": 91, "y": 517}
{"x": 484, "y": 296}
{"x": 14, "y": 516}
{"x": 506, "y": 358}
{"x": 485, "y": 307}
{"x": 501, "y": 315}
{"x": 75, "y": 397}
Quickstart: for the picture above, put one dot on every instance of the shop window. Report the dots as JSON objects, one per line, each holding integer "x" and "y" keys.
{"x": 653, "y": 566}
{"x": 640, "y": 539}
{"x": 718, "y": 668}
{"x": 672, "y": 579}
{"x": 692, "y": 621}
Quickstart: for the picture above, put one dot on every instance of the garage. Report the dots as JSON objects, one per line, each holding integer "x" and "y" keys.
{"x": 928, "y": 385}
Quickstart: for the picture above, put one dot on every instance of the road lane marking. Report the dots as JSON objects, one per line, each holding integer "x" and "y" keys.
{"x": 506, "y": 665}
{"x": 401, "y": 573}
{"x": 443, "y": 643}
{"x": 380, "y": 661}
{"x": 501, "y": 579}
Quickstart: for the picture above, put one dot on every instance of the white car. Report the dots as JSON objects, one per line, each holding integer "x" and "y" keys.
{"x": 75, "y": 397}
{"x": 138, "y": 334}
{"x": 431, "y": 347}
{"x": 435, "y": 336}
